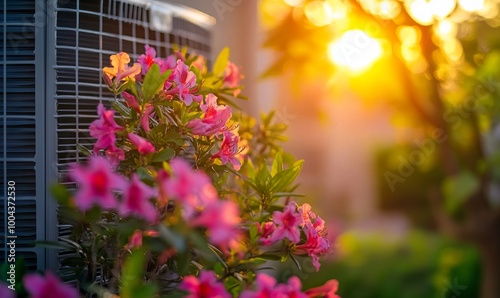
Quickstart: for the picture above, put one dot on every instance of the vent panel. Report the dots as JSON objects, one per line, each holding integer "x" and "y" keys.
{"x": 50, "y": 85}
{"x": 21, "y": 138}
{"x": 21, "y": 126}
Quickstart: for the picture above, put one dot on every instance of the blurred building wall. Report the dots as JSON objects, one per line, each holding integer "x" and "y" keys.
{"x": 338, "y": 174}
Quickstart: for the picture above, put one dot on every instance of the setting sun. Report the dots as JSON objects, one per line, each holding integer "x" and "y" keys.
{"x": 355, "y": 50}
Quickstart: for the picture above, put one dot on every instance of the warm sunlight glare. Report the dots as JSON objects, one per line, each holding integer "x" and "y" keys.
{"x": 355, "y": 50}
{"x": 471, "y": 5}
{"x": 420, "y": 11}
{"x": 425, "y": 11}
{"x": 294, "y": 3}
{"x": 389, "y": 9}
{"x": 273, "y": 12}
{"x": 446, "y": 29}
{"x": 442, "y": 8}
{"x": 319, "y": 13}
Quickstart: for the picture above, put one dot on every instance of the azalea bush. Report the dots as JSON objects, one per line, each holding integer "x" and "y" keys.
{"x": 182, "y": 194}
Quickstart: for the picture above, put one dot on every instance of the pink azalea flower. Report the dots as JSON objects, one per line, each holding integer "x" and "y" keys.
{"x": 143, "y": 146}
{"x": 96, "y": 183}
{"x": 288, "y": 223}
{"x": 265, "y": 286}
{"x": 114, "y": 155}
{"x": 315, "y": 246}
{"x": 193, "y": 189}
{"x": 135, "y": 240}
{"x": 232, "y": 77}
{"x": 121, "y": 69}
{"x": 213, "y": 121}
{"x": 5, "y": 292}
{"x": 147, "y": 59}
{"x": 136, "y": 200}
{"x": 229, "y": 149}
{"x": 307, "y": 214}
{"x": 48, "y": 286}
{"x": 200, "y": 63}
{"x": 185, "y": 81}
{"x": 104, "y": 129}
{"x": 131, "y": 101}
{"x": 319, "y": 225}
{"x": 206, "y": 285}
{"x": 292, "y": 289}
{"x": 221, "y": 219}
{"x": 327, "y": 290}
{"x": 266, "y": 230}
{"x": 310, "y": 217}
{"x": 144, "y": 120}
{"x": 167, "y": 64}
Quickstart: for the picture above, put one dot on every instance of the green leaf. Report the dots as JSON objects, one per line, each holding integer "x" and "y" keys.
{"x": 253, "y": 233}
{"x": 61, "y": 194}
{"x": 266, "y": 119}
{"x": 285, "y": 178}
{"x": 269, "y": 256}
{"x": 251, "y": 263}
{"x": 277, "y": 164}
{"x": 164, "y": 155}
{"x": 121, "y": 108}
{"x": 132, "y": 273}
{"x": 145, "y": 291}
{"x": 213, "y": 82}
{"x": 262, "y": 177}
{"x": 457, "y": 189}
{"x": 224, "y": 100}
{"x": 287, "y": 194}
{"x": 132, "y": 88}
{"x": 296, "y": 262}
{"x": 221, "y": 62}
{"x": 153, "y": 82}
{"x": 84, "y": 150}
{"x": 203, "y": 250}
{"x": 218, "y": 269}
{"x": 55, "y": 245}
{"x": 174, "y": 239}
{"x": 145, "y": 175}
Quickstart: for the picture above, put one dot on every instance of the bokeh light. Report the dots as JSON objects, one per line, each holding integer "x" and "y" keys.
{"x": 294, "y": 3}
{"x": 471, "y": 5}
{"x": 319, "y": 13}
{"x": 420, "y": 11}
{"x": 355, "y": 50}
{"x": 425, "y": 12}
{"x": 442, "y": 8}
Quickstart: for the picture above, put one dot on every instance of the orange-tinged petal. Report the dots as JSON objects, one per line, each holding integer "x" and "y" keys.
{"x": 131, "y": 72}
{"x": 110, "y": 72}
{"x": 119, "y": 61}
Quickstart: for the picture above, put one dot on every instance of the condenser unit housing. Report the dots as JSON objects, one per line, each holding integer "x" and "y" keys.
{"x": 50, "y": 85}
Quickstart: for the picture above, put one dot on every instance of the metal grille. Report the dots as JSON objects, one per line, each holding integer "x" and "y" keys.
{"x": 50, "y": 84}
{"x": 84, "y": 33}
{"x": 87, "y": 33}
{"x": 22, "y": 128}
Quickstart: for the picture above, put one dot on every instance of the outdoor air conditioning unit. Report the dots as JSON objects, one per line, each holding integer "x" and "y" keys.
{"x": 50, "y": 85}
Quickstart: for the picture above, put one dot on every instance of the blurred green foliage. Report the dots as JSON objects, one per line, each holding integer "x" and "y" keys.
{"x": 409, "y": 196}
{"x": 416, "y": 265}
